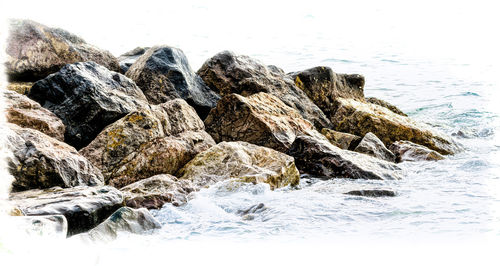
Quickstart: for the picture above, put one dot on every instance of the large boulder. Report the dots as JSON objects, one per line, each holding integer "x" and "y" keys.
{"x": 320, "y": 158}
{"x": 260, "y": 118}
{"x": 34, "y": 51}
{"x": 228, "y": 73}
{"x": 127, "y": 59}
{"x": 385, "y": 104}
{"x": 87, "y": 97}
{"x": 373, "y": 146}
{"x": 409, "y": 151}
{"x": 40, "y": 161}
{"x": 24, "y": 112}
{"x": 84, "y": 207}
{"x": 155, "y": 191}
{"x": 164, "y": 74}
{"x": 243, "y": 161}
{"x": 148, "y": 142}
{"x": 123, "y": 221}
{"x": 342, "y": 140}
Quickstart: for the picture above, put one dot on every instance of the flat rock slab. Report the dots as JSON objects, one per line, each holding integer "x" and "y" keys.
{"x": 374, "y": 193}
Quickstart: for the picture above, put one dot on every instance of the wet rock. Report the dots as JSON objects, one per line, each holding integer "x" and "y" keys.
{"x": 249, "y": 214}
{"x": 342, "y": 140}
{"x": 359, "y": 118}
{"x": 385, "y": 104}
{"x": 43, "y": 225}
{"x": 164, "y": 74}
{"x": 40, "y": 161}
{"x": 25, "y": 112}
{"x": 84, "y": 207}
{"x": 373, "y": 146}
{"x": 409, "y": 151}
{"x": 127, "y": 59}
{"x": 260, "y": 118}
{"x": 375, "y": 193}
{"x": 151, "y": 141}
{"x": 124, "y": 220}
{"x": 34, "y": 51}
{"x": 321, "y": 158}
{"x": 87, "y": 97}
{"x": 228, "y": 73}
{"x": 20, "y": 87}
{"x": 155, "y": 191}
{"x": 243, "y": 161}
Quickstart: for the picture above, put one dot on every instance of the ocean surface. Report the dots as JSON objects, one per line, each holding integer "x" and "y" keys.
{"x": 429, "y": 70}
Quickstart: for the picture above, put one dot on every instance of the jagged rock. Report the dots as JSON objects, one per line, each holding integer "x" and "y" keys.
{"x": 164, "y": 74}
{"x": 84, "y": 207}
{"x": 375, "y": 193}
{"x": 342, "y": 140}
{"x": 359, "y": 118}
{"x": 228, "y": 73}
{"x": 20, "y": 87}
{"x": 409, "y": 151}
{"x": 124, "y": 220}
{"x": 321, "y": 158}
{"x": 87, "y": 97}
{"x": 261, "y": 119}
{"x": 373, "y": 146}
{"x": 155, "y": 191}
{"x": 40, "y": 161}
{"x": 151, "y": 141}
{"x": 243, "y": 161}
{"x": 127, "y": 59}
{"x": 25, "y": 112}
{"x": 43, "y": 225}
{"x": 34, "y": 51}
{"x": 385, "y": 104}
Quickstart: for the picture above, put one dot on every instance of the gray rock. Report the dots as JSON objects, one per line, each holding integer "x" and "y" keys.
{"x": 375, "y": 193}
{"x": 409, "y": 151}
{"x": 373, "y": 146}
{"x": 385, "y": 104}
{"x": 127, "y": 59}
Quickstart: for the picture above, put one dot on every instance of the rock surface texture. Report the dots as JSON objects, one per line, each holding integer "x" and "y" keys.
{"x": 40, "y": 161}
{"x": 151, "y": 141}
{"x": 87, "y": 97}
{"x": 34, "y": 51}
{"x": 342, "y": 140}
{"x": 374, "y": 193}
{"x": 128, "y": 59}
{"x": 228, "y": 73}
{"x": 20, "y": 87}
{"x": 409, "y": 151}
{"x": 385, "y": 104}
{"x": 243, "y": 161}
{"x": 25, "y": 112}
{"x": 164, "y": 74}
{"x": 84, "y": 207}
{"x": 373, "y": 146}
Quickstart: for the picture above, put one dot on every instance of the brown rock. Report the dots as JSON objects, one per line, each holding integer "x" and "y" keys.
{"x": 409, "y": 151}
{"x": 20, "y": 87}
{"x": 385, "y": 104}
{"x": 373, "y": 146}
{"x": 342, "y": 140}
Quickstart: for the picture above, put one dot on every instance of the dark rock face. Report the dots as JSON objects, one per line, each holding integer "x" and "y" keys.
{"x": 40, "y": 161}
{"x": 25, "y": 112}
{"x": 34, "y": 51}
{"x": 373, "y": 146}
{"x": 342, "y": 140}
{"x": 127, "y": 59}
{"x": 375, "y": 193}
{"x": 228, "y": 73}
{"x": 84, "y": 207}
{"x": 409, "y": 151}
{"x": 164, "y": 74}
{"x": 320, "y": 158}
{"x": 87, "y": 97}
{"x": 385, "y": 104}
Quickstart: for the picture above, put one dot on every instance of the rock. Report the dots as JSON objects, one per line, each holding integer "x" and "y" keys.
{"x": 20, "y": 87}
{"x": 375, "y": 193}
{"x": 34, "y": 51}
{"x": 228, "y": 73}
{"x": 249, "y": 214}
{"x": 323, "y": 86}
{"x": 260, "y": 118}
{"x": 43, "y": 225}
{"x": 40, "y": 161}
{"x": 124, "y": 220}
{"x": 87, "y": 97}
{"x": 25, "y": 112}
{"x": 243, "y": 161}
{"x": 321, "y": 158}
{"x": 127, "y": 59}
{"x": 342, "y": 140}
{"x": 148, "y": 142}
{"x": 385, "y": 104}
{"x": 359, "y": 118}
{"x": 164, "y": 74}
{"x": 155, "y": 191}
{"x": 409, "y": 151}
{"x": 373, "y": 146}
{"x": 84, "y": 207}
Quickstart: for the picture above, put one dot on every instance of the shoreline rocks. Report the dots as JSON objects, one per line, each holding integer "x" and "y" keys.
{"x": 409, "y": 151}
{"x": 342, "y": 140}
{"x": 374, "y": 193}
{"x": 128, "y": 59}
{"x": 373, "y": 146}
